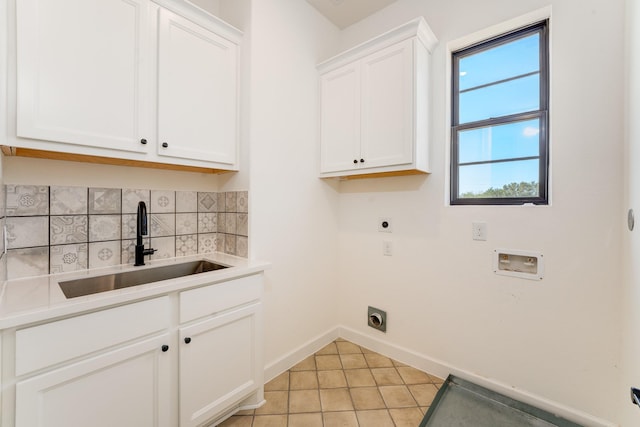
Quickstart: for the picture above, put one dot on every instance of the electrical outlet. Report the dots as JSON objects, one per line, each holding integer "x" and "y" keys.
{"x": 479, "y": 230}
{"x": 387, "y": 248}
{"x": 384, "y": 225}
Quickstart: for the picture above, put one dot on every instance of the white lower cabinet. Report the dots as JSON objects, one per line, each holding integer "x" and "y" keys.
{"x": 181, "y": 359}
{"x": 125, "y": 387}
{"x": 218, "y": 364}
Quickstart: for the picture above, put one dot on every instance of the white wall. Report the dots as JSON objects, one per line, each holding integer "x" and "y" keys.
{"x": 557, "y": 338}
{"x": 295, "y": 214}
{"x": 630, "y": 368}
{"x": 23, "y": 170}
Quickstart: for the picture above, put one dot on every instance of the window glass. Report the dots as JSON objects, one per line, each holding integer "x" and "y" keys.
{"x": 512, "y": 140}
{"x": 481, "y": 69}
{"x": 499, "y": 147}
{"x": 512, "y": 97}
{"x": 497, "y": 180}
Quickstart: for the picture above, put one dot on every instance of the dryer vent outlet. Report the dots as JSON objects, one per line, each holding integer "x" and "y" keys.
{"x": 377, "y": 319}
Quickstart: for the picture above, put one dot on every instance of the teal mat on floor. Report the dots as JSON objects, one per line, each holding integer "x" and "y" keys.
{"x": 460, "y": 403}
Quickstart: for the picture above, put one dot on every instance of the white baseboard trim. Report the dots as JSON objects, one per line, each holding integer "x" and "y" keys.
{"x": 442, "y": 369}
{"x": 277, "y": 367}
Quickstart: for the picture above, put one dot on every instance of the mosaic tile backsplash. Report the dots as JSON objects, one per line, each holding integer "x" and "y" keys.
{"x": 52, "y": 229}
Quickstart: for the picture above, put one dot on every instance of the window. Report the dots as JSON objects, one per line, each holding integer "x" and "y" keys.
{"x": 499, "y": 149}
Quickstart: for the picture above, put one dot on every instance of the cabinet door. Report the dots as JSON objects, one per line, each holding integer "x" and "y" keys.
{"x": 340, "y": 119}
{"x": 387, "y": 106}
{"x": 128, "y": 387}
{"x": 219, "y": 364}
{"x": 197, "y": 92}
{"x": 80, "y": 72}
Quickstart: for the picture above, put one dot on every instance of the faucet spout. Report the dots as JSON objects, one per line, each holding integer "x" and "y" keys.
{"x": 141, "y": 230}
{"x": 141, "y": 222}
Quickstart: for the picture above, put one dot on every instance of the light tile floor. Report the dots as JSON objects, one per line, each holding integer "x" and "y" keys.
{"x": 344, "y": 385}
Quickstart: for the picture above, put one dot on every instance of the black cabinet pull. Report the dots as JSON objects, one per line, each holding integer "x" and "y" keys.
{"x": 165, "y": 145}
{"x": 361, "y": 160}
{"x": 143, "y": 141}
{"x": 165, "y": 348}
{"x": 187, "y": 340}
{"x": 355, "y": 161}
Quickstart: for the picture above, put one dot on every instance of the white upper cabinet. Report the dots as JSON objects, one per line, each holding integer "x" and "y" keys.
{"x": 197, "y": 92}
{"x": 151, "y": 81}
{"x": 373, "y": 105}
{"x": 80, "y": 75}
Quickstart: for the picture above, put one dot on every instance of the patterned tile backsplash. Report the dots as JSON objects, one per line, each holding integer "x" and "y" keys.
{"x": 60, "y": 229}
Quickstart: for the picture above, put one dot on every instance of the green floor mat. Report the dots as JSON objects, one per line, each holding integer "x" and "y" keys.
{"x": 460, "y": 403}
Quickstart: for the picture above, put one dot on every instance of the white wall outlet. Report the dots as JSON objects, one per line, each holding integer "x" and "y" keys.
{"x": 479, "y": 230}
{"x": 387, "y": 248}
{"x": 384, "y": 225}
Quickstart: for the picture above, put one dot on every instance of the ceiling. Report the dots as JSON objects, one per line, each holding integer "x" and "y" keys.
{"x": 346, "y": 12}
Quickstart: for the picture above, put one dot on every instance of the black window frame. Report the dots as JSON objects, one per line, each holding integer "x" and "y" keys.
{"x": 542, "y": 114}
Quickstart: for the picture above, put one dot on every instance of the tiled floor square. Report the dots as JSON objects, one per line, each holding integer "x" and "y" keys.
{"x": 327, "y": 362}
{"x": 305, "y": 420}
{"x": 353, "y": 361}
{"x": 365, "y": 398}
{"x": 386, "y": 376}
{"x": 337, "y": 399}
{"x": 397, "y": 396}
{"x": 304, "y": 401}
{"x": 359, "y": 378}
{"x": 378, "y": 418}
{"x": 342, "y": 419}
{"x": 332, "y": 379}
{"x": 303, "y": 380}
{"x": 270, "y": 421}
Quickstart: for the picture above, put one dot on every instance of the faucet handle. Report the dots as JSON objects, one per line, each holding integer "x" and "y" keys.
{"x": 149, "y": 251}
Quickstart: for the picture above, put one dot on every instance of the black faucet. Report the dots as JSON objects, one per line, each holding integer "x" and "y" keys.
{"x": 141, "y": 230}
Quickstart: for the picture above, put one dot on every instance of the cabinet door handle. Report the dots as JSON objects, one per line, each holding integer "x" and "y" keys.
{"x": 361, "y": 160}
{"x": 165, "y": 145}
{"x": 187, "y": 340}
{"x": 355, "y": 161}
{"x": 165, "y": 348}
{"x": 143, "y": 141}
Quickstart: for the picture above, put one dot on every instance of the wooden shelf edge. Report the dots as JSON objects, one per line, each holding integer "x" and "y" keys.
{"x": 54, "y": 155}
{"x": 378, "y": 175}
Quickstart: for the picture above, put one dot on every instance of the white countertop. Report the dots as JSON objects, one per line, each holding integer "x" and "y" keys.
{"x": 36, "y": 299}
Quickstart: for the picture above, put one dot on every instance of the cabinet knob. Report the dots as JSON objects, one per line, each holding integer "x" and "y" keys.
{"x": 165, "y": 348}
{"x": 187, "y": 340}
{"x": 355, "y": 161}
{"x": 143, "y": 141}
{"x": 361, "y": 160}
{"x": 165, "y": 145}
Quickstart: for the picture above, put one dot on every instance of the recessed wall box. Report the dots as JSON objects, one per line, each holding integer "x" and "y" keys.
{"x": 516, "y": 263}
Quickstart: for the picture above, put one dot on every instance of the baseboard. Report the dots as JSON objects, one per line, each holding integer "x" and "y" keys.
{"x": 277, "y": 367}
{"x": 442, "y": 369}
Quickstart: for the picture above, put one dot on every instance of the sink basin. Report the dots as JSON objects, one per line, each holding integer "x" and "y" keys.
{"x": 109, "y": 282}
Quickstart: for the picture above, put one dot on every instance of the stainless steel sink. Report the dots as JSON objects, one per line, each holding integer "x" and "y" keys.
{"x": 109, "y": 282}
